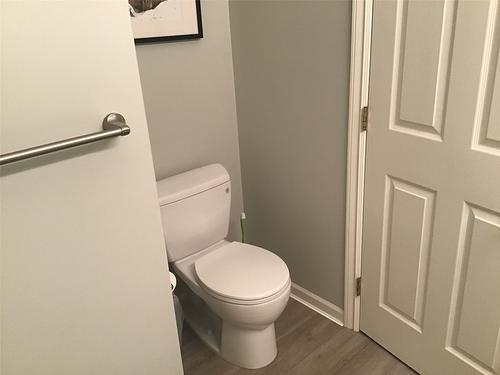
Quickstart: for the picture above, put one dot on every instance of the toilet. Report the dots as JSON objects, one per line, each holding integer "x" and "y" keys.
{"x": 231, "y": 292}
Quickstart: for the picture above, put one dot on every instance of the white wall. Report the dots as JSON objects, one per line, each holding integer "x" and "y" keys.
{"x": 85, "y": 287}
{"x": 291, "y": 63}
{"x": 190, "y": 102}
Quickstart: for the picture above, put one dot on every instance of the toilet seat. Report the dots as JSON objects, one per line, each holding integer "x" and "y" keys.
{"x": 236, "y": 301}
{"x": 242, "y": 274}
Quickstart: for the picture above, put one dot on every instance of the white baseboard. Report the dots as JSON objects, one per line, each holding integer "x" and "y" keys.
{"x": 318, "y": 304}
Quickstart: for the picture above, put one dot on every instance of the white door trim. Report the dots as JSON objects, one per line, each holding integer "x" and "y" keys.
{"x": 358, "y": 98}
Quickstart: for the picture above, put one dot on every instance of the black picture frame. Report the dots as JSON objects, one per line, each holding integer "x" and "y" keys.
{"x": 170, "y": 38}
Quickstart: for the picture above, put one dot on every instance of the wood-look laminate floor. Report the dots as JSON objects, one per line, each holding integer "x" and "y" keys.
{"x": 308, "y": 343}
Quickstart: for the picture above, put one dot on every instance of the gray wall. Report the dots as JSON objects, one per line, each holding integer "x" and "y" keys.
{"x": 291, "y": 63}
{"x": 188, "y": 92}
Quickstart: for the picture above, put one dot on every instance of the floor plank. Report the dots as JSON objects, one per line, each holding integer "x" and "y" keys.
{"x": 308, "y": 343}
{"x": 294, "y": 316}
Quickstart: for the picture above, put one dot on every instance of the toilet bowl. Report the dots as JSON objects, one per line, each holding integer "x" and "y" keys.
{"x": 242, "y": 289}
{"x": 248, "y": 303}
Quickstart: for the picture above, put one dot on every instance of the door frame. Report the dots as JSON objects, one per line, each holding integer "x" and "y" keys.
{"x": 361, "y": 30}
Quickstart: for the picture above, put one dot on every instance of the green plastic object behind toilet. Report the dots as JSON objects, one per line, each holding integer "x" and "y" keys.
{"x": 243, "y": 220}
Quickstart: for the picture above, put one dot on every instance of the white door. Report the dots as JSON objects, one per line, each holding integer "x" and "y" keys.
{"x": 84, "y": 278}
{"x": 431, "y": 253}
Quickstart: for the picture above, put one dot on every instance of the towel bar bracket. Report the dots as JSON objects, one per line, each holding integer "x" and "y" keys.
{"x": 115, "y": 120}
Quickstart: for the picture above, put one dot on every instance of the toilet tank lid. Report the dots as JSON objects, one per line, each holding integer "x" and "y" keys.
{"x": 184, "y": 185}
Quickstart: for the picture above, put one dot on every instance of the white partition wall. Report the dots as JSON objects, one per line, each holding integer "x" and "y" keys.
{"x": 84, "y": 275}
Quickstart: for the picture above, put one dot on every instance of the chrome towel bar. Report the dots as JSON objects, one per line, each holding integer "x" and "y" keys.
{"x": 113, "y": 125}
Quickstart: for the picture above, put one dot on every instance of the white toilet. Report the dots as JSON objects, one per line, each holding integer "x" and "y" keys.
{"x": 233, "y": 292}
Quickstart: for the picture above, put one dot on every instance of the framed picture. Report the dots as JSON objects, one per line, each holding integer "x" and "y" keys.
{"x": 161, "y": 20}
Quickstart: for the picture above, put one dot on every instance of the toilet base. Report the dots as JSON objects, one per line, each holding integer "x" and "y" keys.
{"x": 251, "y": 342}
{"x": 250, "y": 348}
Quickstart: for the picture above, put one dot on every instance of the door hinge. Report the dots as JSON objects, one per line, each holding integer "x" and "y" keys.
{"x": 364, "y": 119}
{"x": 358, "y": 286}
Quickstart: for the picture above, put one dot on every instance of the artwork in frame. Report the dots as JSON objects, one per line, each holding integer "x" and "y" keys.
{"x": 163, "y": 20}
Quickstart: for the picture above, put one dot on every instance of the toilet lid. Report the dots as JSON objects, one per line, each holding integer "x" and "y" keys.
{"x": 242, "y": 272}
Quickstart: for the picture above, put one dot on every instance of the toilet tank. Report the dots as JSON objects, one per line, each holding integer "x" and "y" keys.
{"x": 194, "y": 209}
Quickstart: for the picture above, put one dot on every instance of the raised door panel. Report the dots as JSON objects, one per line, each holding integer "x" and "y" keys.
{"x": 408, "y": 221}
{"x": 487, "y": 127}
{"x": 421, "y": 61}
{"x": 493, "y": 132}
{"x": 474, "y": 325}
